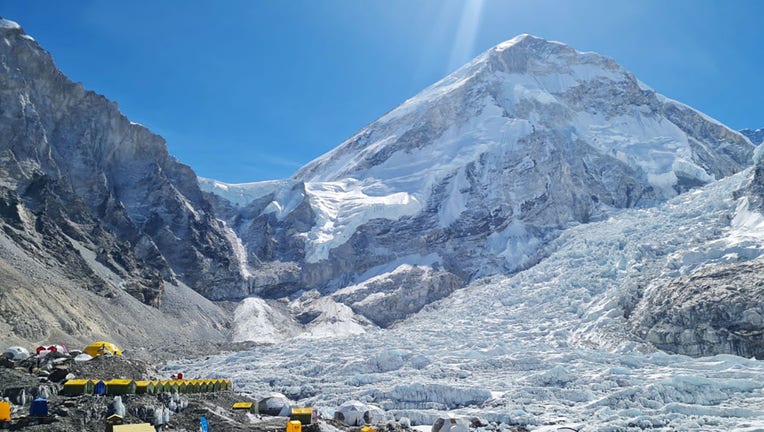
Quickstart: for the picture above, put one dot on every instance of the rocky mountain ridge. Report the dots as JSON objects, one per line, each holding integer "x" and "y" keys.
{"x": 93, "y": 203}
{"x": 69, "y": 154}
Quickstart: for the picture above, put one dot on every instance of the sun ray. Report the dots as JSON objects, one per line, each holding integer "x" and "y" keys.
{"x": 464, "y": 42}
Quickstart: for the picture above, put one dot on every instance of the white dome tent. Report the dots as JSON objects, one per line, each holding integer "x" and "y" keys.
{"x": 374, "y": 415}
{"x": 275, "y": 405}
{"x": 351, "y": 413}
{"x": 451, "y": 423}
{"x": 16, "y": 353}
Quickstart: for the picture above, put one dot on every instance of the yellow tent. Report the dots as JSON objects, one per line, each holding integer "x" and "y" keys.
{"x": 5, "y": 411}
{"x": 120, "y": 387}
{"x": 143, "y": 387}
{"x": 135, "y": 427}
{"x": 78, "y": 387}
{"x": 102, "y": 347}
{"x": 249, "y": 406}
{"x": 294, "y": 426}
{"x": 303, "y": 414}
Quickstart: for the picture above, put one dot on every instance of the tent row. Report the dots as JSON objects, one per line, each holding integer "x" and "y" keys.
{"x": 122, "y": 386}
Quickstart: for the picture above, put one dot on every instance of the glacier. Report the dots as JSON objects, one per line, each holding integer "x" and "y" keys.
{"x": 548, "y": 346}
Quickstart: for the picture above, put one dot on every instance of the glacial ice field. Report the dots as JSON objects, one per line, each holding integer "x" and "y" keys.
{"x": 545, "y": 347}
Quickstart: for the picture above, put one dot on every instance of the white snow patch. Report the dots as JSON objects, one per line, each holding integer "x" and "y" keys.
{"x": 335, "y": 321}
{"x": 456, "y": 200}
{"x": 7, "y": 24}
{"x": 240, "y": 252}
{"x": 514, "y": 244}
{"x": 342, "y": 206}
{"x": 747, "y": 224}
{"x": 256, "y": 320}
{"x": 241, "y": 194}
{"x": 651, "y": 144}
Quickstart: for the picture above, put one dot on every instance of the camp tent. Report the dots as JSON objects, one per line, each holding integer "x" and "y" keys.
{"x": 5, "y": 411}
{"x": 215, "y": 385}
{"x": 136, "y": 427}
{"x": 351, "y": 413}
{"x": 79, "y": 358}
{"x": 170, "y": 386}
{"x": 192, "y": 386}
{"x": 144, "y": 387}
{"x": 275, "y": 405}
{"x": 294, "y": 426}
{"x": 120, "y": 387}
{"x": 16, "y": 353}
{"x": 203, "y": 386}
{"x": 114, "y": 420}
{"x": 102, "y": 347}
{"x": 244, "y": 406}
{"x": 99, "y": 388}
{"x": 182, "y": 386}
{"x": 78, "y": 387}
{"x": 451, "y": 423}
{"x": 303, "y": 414}
{"x": 374, "y": 415}
{"x": 44, "y": 350}
{"x": 38, "y": 408}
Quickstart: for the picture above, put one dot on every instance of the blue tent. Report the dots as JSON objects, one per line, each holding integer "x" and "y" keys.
{"x": 203, "y": 425}
{"x": 99, "y": 388}
{"x": 38, "y": 408}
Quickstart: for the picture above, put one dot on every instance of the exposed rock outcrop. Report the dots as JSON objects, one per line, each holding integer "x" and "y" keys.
{"x": 713, "y": 310}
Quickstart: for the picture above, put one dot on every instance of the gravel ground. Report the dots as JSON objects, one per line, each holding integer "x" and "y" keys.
{"x": 89, "y": 412}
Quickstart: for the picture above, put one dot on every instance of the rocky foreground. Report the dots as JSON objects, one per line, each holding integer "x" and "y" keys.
{"x": 21, "y": 382}
{"x": 43, "y": 377}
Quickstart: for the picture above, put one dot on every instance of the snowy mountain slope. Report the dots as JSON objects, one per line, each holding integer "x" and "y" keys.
{"x": 476, "y": 175}
{"x": 756, "y": 136}
{"x": 550, "y": 345}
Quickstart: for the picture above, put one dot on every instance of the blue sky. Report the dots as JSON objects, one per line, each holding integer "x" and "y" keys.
{"x": 252, "y": 90}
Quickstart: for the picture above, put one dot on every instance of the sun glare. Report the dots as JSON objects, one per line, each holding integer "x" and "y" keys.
{"x": 464, "y": 41}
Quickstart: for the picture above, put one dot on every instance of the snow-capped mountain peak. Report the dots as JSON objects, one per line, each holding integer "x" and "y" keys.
{"x": 522, "y": 88}
{"x": 475, "y": 175}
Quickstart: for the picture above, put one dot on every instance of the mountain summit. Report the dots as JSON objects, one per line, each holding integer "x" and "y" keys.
{"x": 474, "y": 176}
{"x": 530, "y": 87}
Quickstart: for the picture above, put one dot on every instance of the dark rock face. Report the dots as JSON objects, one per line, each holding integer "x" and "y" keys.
{"x": 74, "y": 170}
{"x": 711, "y": 311}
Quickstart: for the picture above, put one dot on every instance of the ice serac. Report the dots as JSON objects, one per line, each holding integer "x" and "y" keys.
{"x": 97, "y": 197}
{"x": 476, "y": 174}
